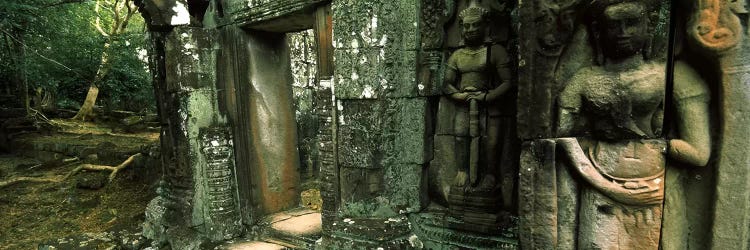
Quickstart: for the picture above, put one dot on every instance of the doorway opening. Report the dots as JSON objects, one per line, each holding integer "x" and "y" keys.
{"x": 279, "y": 120}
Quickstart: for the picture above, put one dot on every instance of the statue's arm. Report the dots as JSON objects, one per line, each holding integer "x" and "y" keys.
{"x": 691, "y": 97}
{"x": 639, "y": 195}
{"x": 569, "y": 105}
{"x": 501, "y": 60}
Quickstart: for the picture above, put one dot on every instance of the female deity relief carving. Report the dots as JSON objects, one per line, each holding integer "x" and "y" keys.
{"x": 478, "y": 79}
{"x": 619, "y": 104}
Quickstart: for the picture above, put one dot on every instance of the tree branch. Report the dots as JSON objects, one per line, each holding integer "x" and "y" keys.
{"x": 97, "y": 23}
{"x": 63, "y": 2}
{"x": 131, "y": 11}
{"x": 116, "y": 20}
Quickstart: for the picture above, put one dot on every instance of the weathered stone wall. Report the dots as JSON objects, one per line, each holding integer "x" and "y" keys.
{"x": 383, "y": 118}
{"x": 225, "y": 86}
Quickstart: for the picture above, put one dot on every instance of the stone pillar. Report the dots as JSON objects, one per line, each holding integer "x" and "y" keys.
{"x": 273, "y": 131}
{"x": 197, "y": 200}
{"x": 382, "y": 120}
{"x": 721, "y": 29}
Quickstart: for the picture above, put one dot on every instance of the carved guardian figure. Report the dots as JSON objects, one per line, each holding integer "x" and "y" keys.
{"x": 477, "y": 78}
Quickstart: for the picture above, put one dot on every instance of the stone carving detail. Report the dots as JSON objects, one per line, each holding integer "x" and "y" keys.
{"x": 619, "y": 104}
{"x": 478, "y": 87}
{"x": 715, "y": 27}
{"x": 722, "y": 29}
{"x": 555, "y": 22}
{"x": 327, "y": 150}
{"x": 216, "y": 145}
{"x": 434, "y": 15}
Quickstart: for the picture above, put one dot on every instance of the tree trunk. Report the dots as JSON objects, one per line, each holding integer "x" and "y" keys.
{"x": 87, "y": 109}
{"x": 18, "y": 68}
{"x": 19, "y": 73}
{"x": 11, "y": 57}
{"x": 25, "y": 82}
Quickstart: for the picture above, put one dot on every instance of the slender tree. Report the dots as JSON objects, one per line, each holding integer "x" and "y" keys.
{"x": 120, "y": 11}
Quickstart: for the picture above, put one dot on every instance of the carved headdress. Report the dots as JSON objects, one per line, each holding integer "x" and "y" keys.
{"x": 474, "y": 10}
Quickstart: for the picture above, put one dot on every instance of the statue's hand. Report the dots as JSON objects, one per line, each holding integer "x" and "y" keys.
{"x": 477, "y": 96}
{"x": 468, "y": 95}
{"x": 461, "y": 96}
{"x": 461, "y": 178}
{"x": 635, "y": 195}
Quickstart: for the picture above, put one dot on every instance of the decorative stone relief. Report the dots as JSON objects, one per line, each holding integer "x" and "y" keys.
{"x": 623, "y": 111}
{"x": 615, "y": 169}
{"x": 216, "y": 145}
{"x": 555, "y": 22}
{"x": 715, "y": 27}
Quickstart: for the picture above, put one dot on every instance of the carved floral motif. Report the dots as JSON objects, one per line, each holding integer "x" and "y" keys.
{"x": 715, "y": 27}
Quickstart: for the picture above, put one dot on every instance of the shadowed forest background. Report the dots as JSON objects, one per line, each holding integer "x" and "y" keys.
{"x": 79, "y": 133}
{"x": 54, "y": 50}
{"x": 76, "y": 107}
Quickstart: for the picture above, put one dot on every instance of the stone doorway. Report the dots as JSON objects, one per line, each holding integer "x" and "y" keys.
{"x": 277, "y": 125}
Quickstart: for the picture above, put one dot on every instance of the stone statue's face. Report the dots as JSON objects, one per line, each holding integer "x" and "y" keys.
{"x": 624, "y": 30}
{"x": 473, "y": 28}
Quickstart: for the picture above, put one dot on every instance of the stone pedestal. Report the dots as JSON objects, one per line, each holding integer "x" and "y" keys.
{"x": 439, "y": 227}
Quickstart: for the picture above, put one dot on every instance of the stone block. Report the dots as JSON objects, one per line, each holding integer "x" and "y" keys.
{"x": 538, "y": 225}
{"x": 360, "y": 133}
{"x": 441, "y": 173}
{"x": 360, "y": 184}
{"x": 371, "y": 73}
{"x": 370, "y": 233}
{"x": 412, "y": 128}
{"x": 406, "y": 187}
{"x": 379, "y": 23}
{"x": 274, "y": 15}
{"x": 377, "y": 133}
{"x": 190, "y": 59}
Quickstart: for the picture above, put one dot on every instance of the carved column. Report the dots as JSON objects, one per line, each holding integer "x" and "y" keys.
{"x": 197, "y": 199}
{"x": 721, "y": 28}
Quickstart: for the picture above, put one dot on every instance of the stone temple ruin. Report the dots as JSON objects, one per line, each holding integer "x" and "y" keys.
{"x": 452, "y": 124}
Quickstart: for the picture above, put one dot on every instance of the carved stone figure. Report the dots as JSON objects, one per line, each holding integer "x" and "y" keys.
{"x": 477, "y": 78}
{"x": 619, "y": 104}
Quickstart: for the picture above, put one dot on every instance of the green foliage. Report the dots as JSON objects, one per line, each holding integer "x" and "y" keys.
{"x": 15, "y": 13}
{"x": 63, "y": 51}
{"x": 126, "y": 86}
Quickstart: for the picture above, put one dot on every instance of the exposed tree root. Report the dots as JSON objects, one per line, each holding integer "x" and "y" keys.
{"x": 114, "y": 169}
{"x": 90, "y": 167}
{"x": 27, "y": 179}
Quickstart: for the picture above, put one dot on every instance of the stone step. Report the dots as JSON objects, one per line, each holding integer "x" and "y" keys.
{"x": 285, "y": 243}
{"x": 299, "y": 228}
{"x": 255, "y": 245}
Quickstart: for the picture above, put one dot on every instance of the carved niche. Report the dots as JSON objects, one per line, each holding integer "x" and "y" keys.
{"x": 473, "y": 176}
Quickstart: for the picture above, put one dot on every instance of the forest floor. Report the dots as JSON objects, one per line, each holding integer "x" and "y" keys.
{"x": 84, "y": 211}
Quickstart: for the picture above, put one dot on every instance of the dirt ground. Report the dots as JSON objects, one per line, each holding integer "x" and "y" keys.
{"x": 34, "y": 213}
